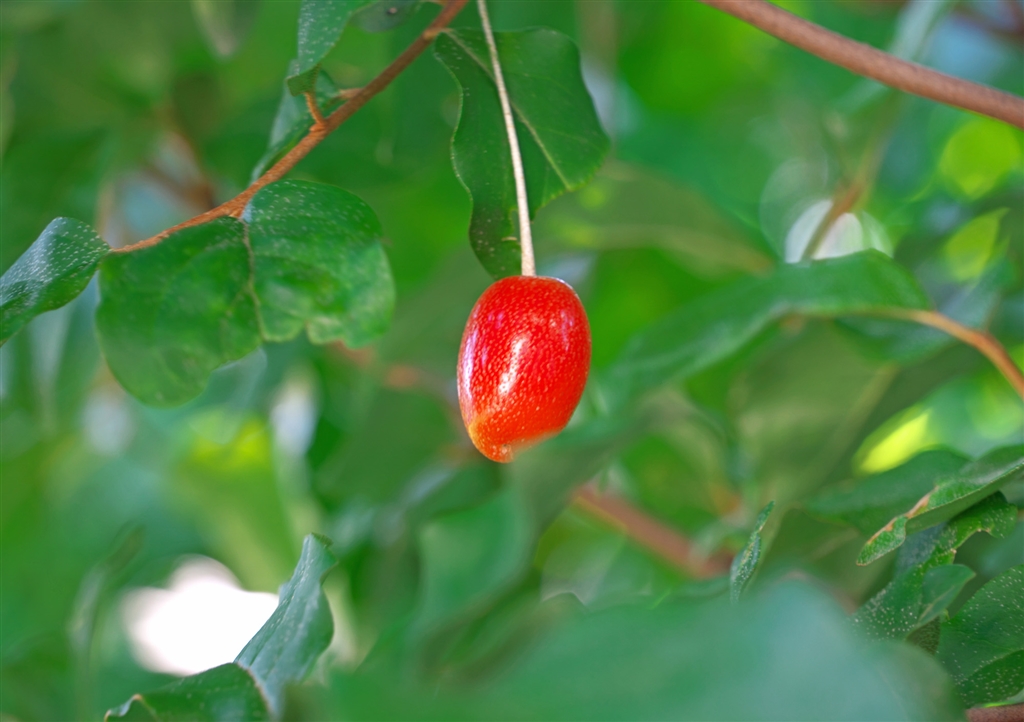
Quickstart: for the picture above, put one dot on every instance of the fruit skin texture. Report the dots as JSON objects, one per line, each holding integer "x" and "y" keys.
{"x": 523, "y": 363}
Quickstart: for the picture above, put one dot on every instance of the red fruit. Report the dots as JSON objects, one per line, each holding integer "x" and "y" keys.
{"x": 523, "y": 363}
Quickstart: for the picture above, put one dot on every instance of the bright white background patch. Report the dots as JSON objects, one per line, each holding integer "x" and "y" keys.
{"x": 203, "y": 620}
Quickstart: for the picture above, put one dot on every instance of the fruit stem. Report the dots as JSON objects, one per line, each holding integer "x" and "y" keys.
{"x": 529, "y": 267}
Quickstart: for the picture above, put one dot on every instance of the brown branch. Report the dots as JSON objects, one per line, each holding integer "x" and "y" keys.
{"x": 1006, "y": 713}
{"x": 319, "y": 131}
{"x": 314, "y": 109}
{"x": 664, "y": 541}
{"x": 984, "y": 342}
{"x": 874, "y": 63}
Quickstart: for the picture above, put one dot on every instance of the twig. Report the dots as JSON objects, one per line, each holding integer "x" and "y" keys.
{"x": 984, "y": 342}
{"x": 525, "y": 236}
{"x": 1006, "y": 713}
{"x": 318, "y": 132}
{"x": 874, "y": 63}
{"x": 664, "y": 541}
{"x": 314, "y": 109}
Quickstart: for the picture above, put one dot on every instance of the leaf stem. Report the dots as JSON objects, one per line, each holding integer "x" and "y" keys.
{"x": 984, "y": 342}
{"x": 318, "y": 131}
{"x": 314, "y": 109}
{"x": 529, "y": 267}
{"x": 874, "y": 63}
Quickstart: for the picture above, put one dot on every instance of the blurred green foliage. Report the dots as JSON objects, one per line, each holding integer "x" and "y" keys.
{"x": 724, "y": 378}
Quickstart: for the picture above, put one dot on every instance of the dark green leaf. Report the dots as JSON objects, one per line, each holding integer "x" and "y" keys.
{"x": 717, "y": 325}
{"x": 300, "y": 629}
{"x": 471, "y": 557}
{"x": 926, "y": 581}
{"x": 318, "y": 264}
{"x": 225, "y": 22}
{"x": 783, "y": 655}
{"x": 54, "y": 270}
{"x": 561, "y": 139}
{"x": 983, "y": 645}
{"x": 950, "y": 494}
{"x": 381, "y": 15}
{"x": 223, "y": 694}
{"x": 876, "y": 499}
{"x": 293, "y": 120}
{"x": 46, "y": 177}
{"x": 173, "y": 312}
{"x": 744, "y": 564}
{"x": 320, "y": 26}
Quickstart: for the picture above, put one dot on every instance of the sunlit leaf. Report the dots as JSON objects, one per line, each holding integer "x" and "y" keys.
{"x": 318, "y": 264}
{"x": 950, "y": 494}
{"x": 983, "y": 645}
{"x": 54, "y": 270}
{"x": 171, "y": 313}
{"x": 561, "y": 139}
{"x": 718, "y": 324}
{"x": 320, "y": 26}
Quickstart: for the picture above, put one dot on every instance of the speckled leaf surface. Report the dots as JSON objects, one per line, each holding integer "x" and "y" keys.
{"x": 561, "y": 139}
{"x": 320, "y": 26}
{"x": 983, "y": 645}
{"x": 926, "y": 581}
{"x": 173, "y": 312}
{"x": 223, "y": 694}
{"x": 744, "y": 564}
{"x": 300, "y": 629}
{"x": 381, "y": 15}
{"x": 53, "y": 271}
{"x": 949, "y": 495}
{"x": 716, "y": 325}
{"x": 318, "y": 264}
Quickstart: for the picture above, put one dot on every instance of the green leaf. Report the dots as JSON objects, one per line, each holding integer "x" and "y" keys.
{"x": 876, "y": 499}
{"x": 173, "y": 312}
{"x": 382, "y": 15}
{"x": 320, "y": 26}
{"x": 627, "y": 206}
{"x": 983, "y": 645}
{"x": 282, "y": 653}
{"x": 717, "y": 325}
{"x": 318, "y": 264}
{"x": 293, "y": 120}
{"x": 744, "y": 564}
{"x": 926, "y": 581}
{"x": 223, "y": 694}
{"x": 300, "y": 629}
{"x": 471, "y": 557}
{"x": 559, "y": 134}
{"x": 54, "y": 270}
{"x": 950, "y": 494}
{"x": 681, "y": 660}
{"x": 225, "y": 22}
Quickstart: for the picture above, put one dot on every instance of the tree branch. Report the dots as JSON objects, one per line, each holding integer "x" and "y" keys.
{"x": 874, "y": 63}
{"x": 319, "y": 131}
{"x": 984, "y": 342}
{"x": 1006, "y": 713}
{"x": 664, "y": 541}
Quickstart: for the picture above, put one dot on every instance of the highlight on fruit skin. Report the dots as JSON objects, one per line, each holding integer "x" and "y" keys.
{"x": 523, "y": 363}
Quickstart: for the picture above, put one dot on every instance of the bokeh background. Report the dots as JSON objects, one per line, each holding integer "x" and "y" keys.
{"x": 139, "y": 543}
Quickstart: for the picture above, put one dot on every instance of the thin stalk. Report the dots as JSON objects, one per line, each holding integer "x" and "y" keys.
{"x": 529, "y": 267}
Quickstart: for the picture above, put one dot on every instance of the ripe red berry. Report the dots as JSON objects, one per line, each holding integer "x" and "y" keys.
{"x": 523, "y": 363}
